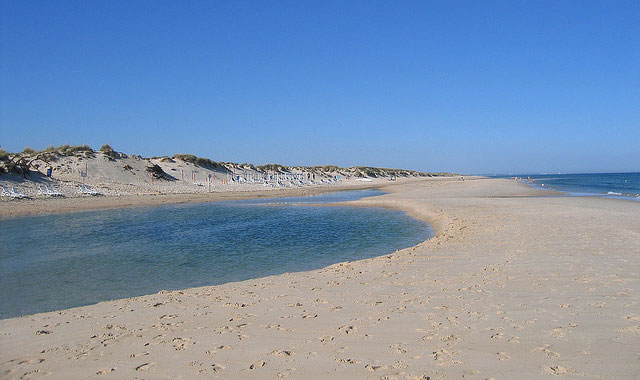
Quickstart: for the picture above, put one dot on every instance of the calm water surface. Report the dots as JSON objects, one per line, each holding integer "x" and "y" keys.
{"x": 52, "y": 262}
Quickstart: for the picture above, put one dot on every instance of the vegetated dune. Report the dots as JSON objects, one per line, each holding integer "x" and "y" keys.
{"x": 117, "y": 173}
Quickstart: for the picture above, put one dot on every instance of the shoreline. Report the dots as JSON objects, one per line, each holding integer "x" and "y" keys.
{"x": 18, "y": 208}
{"x": 574, "y": 193}
{"x": 425, "y": 232}
{"x": 478, "y": 299}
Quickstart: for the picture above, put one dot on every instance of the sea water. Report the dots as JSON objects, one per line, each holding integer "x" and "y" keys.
{"x": 610, "y": 185}
{"x": 51, "y": 262}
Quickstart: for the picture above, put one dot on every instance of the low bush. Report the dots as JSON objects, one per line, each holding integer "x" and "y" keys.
{"x": 272, "y": 168}
{"x": 158, "y": 173}
{"x": 199, "y": 161}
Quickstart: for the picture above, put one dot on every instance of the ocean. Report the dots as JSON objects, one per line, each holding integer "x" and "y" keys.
{"x": 50, "y": 262}
{"x": 610, "y": 185}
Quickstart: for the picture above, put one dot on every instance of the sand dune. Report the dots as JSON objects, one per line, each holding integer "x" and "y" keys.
{"x": 114, "y": 173}
{"x": 513, "y": 286}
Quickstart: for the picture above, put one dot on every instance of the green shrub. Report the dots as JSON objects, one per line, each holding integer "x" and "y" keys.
{"x": 80, "y": 148}
{"x": 106, "y": 148}
{"x": 67, "y": 150}
{"x": 158, "y": 173}
{"x": 108, "y": 151}
{"x": 272, "y": 168}
{"x": 199, "y": 161}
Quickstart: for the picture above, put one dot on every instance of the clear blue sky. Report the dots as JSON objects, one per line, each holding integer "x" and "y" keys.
{"x": 474, "y": 87}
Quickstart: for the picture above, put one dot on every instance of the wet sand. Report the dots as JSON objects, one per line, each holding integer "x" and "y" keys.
{"x": 514, "y": 285}
{"x": 16, "y": 208}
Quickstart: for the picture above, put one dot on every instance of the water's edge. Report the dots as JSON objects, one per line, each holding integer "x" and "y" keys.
{"x": 289, "y": 201}
{"x": 583, "y": 185}
{"x": 12, "y": 209}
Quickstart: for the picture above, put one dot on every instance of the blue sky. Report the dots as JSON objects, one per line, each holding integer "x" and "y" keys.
{"x": 473, "y": 87}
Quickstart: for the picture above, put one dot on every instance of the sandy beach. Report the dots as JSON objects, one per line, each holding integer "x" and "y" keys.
{"x": 516, "y": 284}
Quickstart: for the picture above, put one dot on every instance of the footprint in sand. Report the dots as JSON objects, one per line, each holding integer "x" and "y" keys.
{"x": 28, "y": 374}
{"x": 547, "y": 351}
{"x": 347, "y": 360}
{"x": 180, "y": 344}
{"x": 282, "y": 353}
{"x": 104, "y": 371}
{"x": 145, "y": 367}
{"x": 218, "y": 348}
{"x": 31, "y": 361}
{"x": 258, "y": 364}
{"x": 445, "y": 358}
{"x": 557, "y": 370}
{"x": 372, "y": 367}
{"x": 348, "y": 329}
{"x": 631, "y": 330}
{"x": 398, "y": 349}
{"x": 558, "y": 333}
{"x": 450, "y": 339}
{"x": 326, "y": 339}
{"x": 285, "y": 373}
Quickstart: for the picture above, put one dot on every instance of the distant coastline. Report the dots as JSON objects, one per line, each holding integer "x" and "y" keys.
{"x": 608, "y": 185}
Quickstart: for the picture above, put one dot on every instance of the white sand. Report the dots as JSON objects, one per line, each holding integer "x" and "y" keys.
{"x": 512, "y": 287}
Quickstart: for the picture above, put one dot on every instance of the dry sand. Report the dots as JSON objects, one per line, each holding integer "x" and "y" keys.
{"x": 513, "y": 286}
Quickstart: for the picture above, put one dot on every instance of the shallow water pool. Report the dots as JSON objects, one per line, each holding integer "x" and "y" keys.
{"x": 51, "y": 262}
